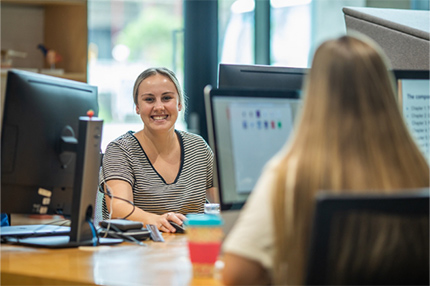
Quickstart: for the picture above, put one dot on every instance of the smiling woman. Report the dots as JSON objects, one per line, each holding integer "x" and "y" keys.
{"x": 166, "y": 173}
{"x": 158, "y": 99}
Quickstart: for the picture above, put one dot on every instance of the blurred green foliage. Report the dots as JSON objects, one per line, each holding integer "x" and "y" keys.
{"x": 150, "y": 36}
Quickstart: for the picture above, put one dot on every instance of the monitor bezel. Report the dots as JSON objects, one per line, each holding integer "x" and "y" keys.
{"x": 411, "y": 74}
{"x": 266, "y": 77}
{"x": 407, "y": 74}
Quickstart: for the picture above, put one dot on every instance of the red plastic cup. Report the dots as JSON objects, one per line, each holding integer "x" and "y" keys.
{"x": 204, "y": 235}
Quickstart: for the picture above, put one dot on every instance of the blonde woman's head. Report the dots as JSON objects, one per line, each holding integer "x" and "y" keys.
{"x": 349, "y": 79}
{"x": 350, "y": 138}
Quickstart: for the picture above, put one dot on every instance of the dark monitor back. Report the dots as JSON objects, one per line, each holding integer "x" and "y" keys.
{"x": 36, "y": 173}
{"x": 260, "y": 77}
{"x": 335, "y": 260}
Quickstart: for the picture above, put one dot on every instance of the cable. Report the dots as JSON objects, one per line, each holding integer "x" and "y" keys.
{"x": 104, "y": 189}
{"x": 109, "y": 194}
{"x": 93, "y": 230}
{"x": 110, "y": 202}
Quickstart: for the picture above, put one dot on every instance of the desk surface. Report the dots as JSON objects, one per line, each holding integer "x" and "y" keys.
{"x": 125, "y": 264}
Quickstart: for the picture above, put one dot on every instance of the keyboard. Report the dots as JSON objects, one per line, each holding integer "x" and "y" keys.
{"x": 58, "y": 241}
{"x": 33, "y": 230}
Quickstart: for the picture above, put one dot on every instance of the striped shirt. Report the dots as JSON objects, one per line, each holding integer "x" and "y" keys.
{"x": 126, "y": 160}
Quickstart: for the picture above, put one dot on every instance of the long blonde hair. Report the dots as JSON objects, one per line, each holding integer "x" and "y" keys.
{"x": 350, "y": 137}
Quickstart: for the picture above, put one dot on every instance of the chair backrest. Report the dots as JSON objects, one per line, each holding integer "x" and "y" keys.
{"x": 370, "y": 239}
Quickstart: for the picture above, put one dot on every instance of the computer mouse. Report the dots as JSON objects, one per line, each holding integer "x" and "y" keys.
{"x": 179, "y": 228}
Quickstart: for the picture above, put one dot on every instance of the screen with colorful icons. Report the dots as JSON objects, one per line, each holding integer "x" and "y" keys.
{"x": 259, "y": 129}
{"x": 248, "y": 127}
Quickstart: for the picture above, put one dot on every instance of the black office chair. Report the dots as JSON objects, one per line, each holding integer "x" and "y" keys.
{"x": 336, "y": 258}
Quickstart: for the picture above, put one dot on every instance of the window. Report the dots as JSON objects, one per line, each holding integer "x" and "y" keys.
{"x": 298, "y": 27}
{"x": 291, "y": 32}
{"x": 236, "y": 31}
{"x": 125, "y": 38}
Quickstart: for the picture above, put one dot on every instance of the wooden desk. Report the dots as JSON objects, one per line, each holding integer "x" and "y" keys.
{"x": 125, "y": 264}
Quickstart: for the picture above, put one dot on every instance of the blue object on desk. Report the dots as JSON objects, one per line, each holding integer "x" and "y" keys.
{"x": 4, "y": 220}
{"x": 203, "y": 220}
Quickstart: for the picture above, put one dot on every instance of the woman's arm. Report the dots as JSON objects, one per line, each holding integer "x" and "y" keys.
{"x": 121, "y": 208}
{"x": 239, "y": 270}
{"x": 249, "y": 247}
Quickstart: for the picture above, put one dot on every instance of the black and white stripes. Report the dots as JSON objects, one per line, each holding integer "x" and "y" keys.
{"x": 126, "y": 160}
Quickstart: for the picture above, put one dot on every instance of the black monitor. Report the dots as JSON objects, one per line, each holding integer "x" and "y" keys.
{"x": 50, "y": 155}
{"x": 413, "y": 90}
{"x": 326, "y": 246}
{"x": 260, "y": 77}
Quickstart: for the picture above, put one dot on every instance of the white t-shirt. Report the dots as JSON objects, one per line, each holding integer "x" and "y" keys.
{"x": 252, "y": 235}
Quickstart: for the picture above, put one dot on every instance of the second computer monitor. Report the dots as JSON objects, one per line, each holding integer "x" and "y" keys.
{"x": 413, "y": 91}
{"x": 260, "y": 77}
{"x": 246, "y": 129}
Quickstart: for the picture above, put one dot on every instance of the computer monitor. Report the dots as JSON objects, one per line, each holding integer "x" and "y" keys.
{"x": 413, "y": 89}
{"x": 50, "y": 155}
{"x": 325, "y": 245}
{"x": 246, "y": 129}
{"x": 260, "y": 77}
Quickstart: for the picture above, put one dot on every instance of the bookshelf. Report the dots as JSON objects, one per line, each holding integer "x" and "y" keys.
{"x": 60, "y": 25}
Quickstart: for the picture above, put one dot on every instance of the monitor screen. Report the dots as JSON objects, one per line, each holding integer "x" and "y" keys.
{"x": 37, "y": 168}
{"x": 247, "y": 128}
{"x": 413, "y": 88}
{"x": 260, "y": 77}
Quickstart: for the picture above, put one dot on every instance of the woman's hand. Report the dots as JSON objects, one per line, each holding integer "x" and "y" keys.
{"x": 162, "y": 221}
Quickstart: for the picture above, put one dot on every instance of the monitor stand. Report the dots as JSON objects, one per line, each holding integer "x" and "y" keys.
{"x": 88, "y": 158}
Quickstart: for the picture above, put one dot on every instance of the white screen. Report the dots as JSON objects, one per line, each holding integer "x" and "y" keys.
{"x": 249, "y": 131}
{"x": 258, "y": 131}
{"x": 415, "y": 95}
